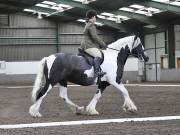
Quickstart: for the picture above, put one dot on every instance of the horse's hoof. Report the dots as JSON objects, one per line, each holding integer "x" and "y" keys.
{"x": 124, "y": 109}
{"x": 73, "y": 108}
{"x": 38, "y": 115}
{"x": 127, "y": 109}
{"x": 34, "y": 113}
{"x": 90, "y": 111}
{"x": 133, "y": 109}
{"x": 80, "y": 110}
{"x": 129, "y": 106}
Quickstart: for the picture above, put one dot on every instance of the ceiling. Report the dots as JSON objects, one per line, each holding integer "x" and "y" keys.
{"x": 123, "y": 15}
{"x": 12, "y": 6}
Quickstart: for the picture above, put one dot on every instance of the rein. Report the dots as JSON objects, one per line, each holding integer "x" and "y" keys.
{"x": 113, "y": 49}
{"x": 138, "y": 56}
{"x": 119, "y": 50}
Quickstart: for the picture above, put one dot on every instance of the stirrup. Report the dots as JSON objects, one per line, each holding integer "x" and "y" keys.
{"x": 101, "y": 74}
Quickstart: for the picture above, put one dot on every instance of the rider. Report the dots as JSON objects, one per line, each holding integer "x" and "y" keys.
{"x": 91, "y": 43}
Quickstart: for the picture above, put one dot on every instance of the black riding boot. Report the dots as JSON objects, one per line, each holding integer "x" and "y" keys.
{"x": 97, "y": 69}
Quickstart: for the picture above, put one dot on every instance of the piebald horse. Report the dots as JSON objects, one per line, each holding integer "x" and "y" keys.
{"x": 61, "y": 68}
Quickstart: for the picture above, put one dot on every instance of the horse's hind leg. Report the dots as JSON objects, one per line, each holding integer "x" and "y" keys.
{"x": 91, "y": 108}
{"x": 34, "y": 109}
{"x": 63, "y": 94}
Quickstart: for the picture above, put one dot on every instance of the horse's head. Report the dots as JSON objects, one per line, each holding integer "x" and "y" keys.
{"x": 138, "y": 50}
{"x": 133, "y": 43}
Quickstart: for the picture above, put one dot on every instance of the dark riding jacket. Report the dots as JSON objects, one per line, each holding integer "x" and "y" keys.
{"x": 91, "y": 39}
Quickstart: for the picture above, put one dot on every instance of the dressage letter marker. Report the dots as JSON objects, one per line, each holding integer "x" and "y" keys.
{"x": 87, "y": 122}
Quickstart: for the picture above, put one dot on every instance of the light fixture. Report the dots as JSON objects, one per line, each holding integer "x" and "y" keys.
{"x": 127, "y": 9}
{"x": 155, "y": 10}
{"x": 149, "y": 13}
{"x": 163, "y": 1}
{"x": 28, "y": 10}
{"x": 85, "y": 2}
{"x": 42, "y": 5}
{"x": 177, "y": 3}
{"x": 111, "y": 19}
{"x": 39, "y": 15}
{"x": 118, "y": 20}
{"x": 57, "y": 8}
{"x": 35, "y": 12}
{"x": 137, "y": 6}
{"x": 101, "y": 16}
{"x": 107, "y": 14}
{"x": 81, "y": 20}
{"x": 60, "y": 9}
{"x": 150, "y": 26}
{"x": 79, "y": 0}
{"x": 122, "y": 17}
{"x": 49, "y": 3}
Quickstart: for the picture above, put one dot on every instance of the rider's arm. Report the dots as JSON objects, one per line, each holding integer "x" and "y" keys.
{"x": 95, "y": 38}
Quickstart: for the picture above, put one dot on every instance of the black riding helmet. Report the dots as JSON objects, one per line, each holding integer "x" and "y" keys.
{"x": 90, "y": 14}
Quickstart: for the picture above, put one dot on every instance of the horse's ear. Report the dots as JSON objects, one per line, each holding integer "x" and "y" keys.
{"x": 135, "y": 37}
{"x": 127, "y": 49}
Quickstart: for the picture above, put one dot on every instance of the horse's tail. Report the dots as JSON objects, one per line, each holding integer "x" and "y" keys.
{"x": 39, "y": 80}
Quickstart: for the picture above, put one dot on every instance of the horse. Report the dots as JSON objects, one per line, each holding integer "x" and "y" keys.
{"x": 60, "y": 68}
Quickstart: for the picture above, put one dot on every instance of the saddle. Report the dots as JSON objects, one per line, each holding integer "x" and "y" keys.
{"x": 89, "y": 58}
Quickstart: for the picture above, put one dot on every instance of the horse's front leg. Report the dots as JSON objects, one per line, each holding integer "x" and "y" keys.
{"x": 128, "y": 103}
{"x": 91, "y": 108}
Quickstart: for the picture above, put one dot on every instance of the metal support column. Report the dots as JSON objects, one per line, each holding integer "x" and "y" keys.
{"x": 171, "y": 46}
{"x": 166, "y": 42}
{"x": 58, "y": 47}
{"x": 155, "y": 43}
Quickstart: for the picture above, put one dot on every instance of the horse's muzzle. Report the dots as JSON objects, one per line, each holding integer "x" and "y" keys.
{"x": 146, "y": 59}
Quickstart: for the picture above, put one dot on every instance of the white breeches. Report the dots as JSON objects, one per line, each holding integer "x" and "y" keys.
{"x": 95, "y": 52}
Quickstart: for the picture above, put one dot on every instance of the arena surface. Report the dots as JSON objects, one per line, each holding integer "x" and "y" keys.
{"x": 151, "y": 100}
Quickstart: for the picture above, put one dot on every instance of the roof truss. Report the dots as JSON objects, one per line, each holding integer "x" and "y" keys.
{"x": 120, "y": 26}
{"x": 163, "y": 6}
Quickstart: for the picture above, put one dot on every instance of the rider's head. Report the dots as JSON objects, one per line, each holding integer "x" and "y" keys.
{"x": 91, "y": 15}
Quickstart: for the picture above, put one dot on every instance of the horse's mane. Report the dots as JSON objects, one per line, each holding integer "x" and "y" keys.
{"x": 122, "y": 43}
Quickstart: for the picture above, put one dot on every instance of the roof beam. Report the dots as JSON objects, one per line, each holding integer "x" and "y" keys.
{"x": 121, "y": 3}
{"x": 141, "y": 18}
{"x": 12, "y": 7}
{"x": 136, "y": 16}
{"x": 123, "y": 28}
{"x": 9, "y": 6}
{"x": 162, "y": 6}
{"x": 115, "y": 5}
{"x": 112, "y": 24}
{"x": 21, "y": 3}
{"x": 72, "y": 3}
